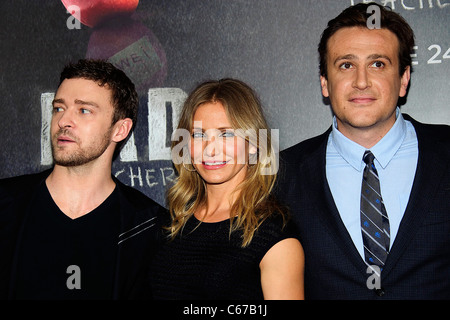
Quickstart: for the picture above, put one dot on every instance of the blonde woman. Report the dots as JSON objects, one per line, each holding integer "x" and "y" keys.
{"x": 227, "y": 238}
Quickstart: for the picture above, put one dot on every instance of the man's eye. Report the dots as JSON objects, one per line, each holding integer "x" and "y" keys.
{"x": 378, "y": 64}
{"x": 57, "y": 109}
{"x": 346, "y": 65}
{"x": 85, "y": 111}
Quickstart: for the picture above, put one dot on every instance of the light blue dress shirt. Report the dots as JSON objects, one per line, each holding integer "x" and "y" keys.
{"x": 396, "y": 157}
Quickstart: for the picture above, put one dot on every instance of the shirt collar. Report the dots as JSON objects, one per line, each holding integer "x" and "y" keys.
{"x": 383, "y": 151}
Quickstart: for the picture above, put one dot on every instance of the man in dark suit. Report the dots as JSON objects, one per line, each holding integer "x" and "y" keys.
{"x": 374, "y": 168}
{"x": 74, "y": 231}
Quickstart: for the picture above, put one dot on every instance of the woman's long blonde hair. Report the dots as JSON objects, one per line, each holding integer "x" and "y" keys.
{"x": 254, "y": 203}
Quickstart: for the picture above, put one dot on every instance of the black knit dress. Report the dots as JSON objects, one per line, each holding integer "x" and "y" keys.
{"x": 205, "y": 262}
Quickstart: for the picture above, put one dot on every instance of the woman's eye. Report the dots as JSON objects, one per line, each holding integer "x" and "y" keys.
{"x": 227, "y": 134}
{"x": 197, "y": 135}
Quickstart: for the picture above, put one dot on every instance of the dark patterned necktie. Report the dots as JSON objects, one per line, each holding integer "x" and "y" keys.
{"x": 374, "y": 219}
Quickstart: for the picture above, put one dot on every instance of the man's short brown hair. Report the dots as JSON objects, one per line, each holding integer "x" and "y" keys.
{"x": 356, "y": 16}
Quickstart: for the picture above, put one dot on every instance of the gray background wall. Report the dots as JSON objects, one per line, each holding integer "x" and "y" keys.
{"x": 170, "y": 46}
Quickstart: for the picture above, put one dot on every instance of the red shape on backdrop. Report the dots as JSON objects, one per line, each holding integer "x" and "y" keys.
{"x": 128, "y": 44}
{"x": 133, "y": 48}
{"x": 95, "y": 12}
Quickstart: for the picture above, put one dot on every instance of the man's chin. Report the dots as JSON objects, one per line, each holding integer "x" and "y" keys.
{"x": 71, "y": 161}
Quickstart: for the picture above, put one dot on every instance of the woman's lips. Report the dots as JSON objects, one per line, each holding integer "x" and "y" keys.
{"x": 213, "y": 165}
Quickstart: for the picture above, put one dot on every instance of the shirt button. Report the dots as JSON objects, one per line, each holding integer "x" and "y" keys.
{"x": 380, "y": 292}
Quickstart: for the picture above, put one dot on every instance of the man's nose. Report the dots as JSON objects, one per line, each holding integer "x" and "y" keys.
{"x": 65, "y": 119}
{"x": 361, "y": 80}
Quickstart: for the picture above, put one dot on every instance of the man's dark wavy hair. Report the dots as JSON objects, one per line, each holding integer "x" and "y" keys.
{"x": 125, "y": 99}
{"x": 356, "y": 16}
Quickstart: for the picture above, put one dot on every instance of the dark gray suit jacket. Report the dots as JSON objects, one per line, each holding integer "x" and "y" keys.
{"x": 136, "y": 241}
{"x": 418, "y": 266}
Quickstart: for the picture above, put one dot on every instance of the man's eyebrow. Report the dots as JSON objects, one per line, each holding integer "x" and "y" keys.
{"x": 373, "y": 56}
{"x": 376, "y": 56}
{"x": 86, "y": 103}
{"x": 77, "y": 102}
{"x": 58, "y": 101}
{"x": 346, "y": 57}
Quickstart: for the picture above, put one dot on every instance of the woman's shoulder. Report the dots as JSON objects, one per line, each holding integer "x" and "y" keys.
{"x": 273, "y": 229}
{"x": 278, "y": 225}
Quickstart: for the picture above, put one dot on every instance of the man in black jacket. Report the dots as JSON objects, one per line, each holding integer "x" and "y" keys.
{"x": 361, "y": 243}
{"x": 76, "y": 232}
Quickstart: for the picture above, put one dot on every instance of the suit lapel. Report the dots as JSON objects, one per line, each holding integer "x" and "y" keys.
{"x": 326, "y": 208}
{"x": 21, "y": 211}
{"x": 120, "y": 266}
{"x": 133, "y": 251}
{"x": 124, "y": 266}
{"x": 426, "y": 181}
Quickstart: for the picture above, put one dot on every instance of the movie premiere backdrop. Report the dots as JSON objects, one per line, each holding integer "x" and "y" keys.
{"x": 168, "y": 46}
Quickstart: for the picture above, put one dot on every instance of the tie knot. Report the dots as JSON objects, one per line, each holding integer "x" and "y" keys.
{"x": 368, "y": 157}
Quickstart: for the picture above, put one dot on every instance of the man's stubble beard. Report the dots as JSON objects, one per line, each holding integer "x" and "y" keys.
{"x": 81, "y": 156}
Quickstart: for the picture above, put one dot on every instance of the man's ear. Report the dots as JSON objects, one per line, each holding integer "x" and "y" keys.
{"x": 405, "y": 82}
{"x": 324, "y": 85}
{"x": 121, "y": 129}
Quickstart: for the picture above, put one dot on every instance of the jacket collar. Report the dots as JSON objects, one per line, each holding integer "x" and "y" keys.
{"x": 326, "y": 207}
{"x": 426, "y": 181}
{"x": 135, "y": 218}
